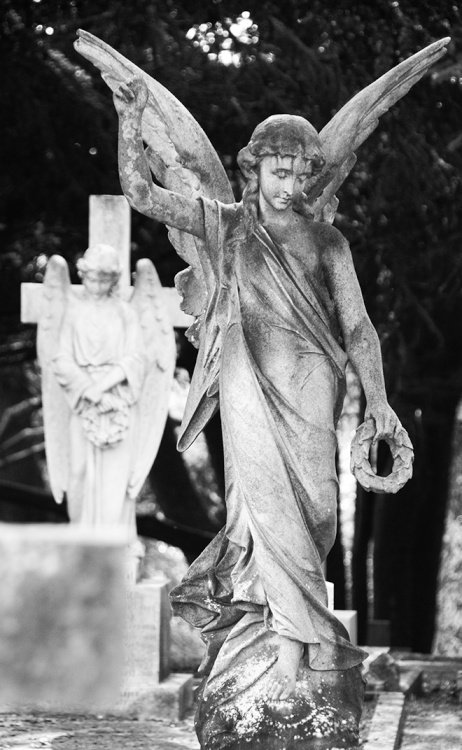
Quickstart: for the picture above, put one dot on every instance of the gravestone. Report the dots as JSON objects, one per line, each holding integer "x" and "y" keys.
{"x": 62, "y": 611}
{"x": 149, "y": 689}
{"x": 348, "y": 617}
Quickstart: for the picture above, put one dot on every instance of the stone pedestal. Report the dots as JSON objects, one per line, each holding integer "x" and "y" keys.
{"x": 149, "y": 690}
{"x": 62, "y": 602}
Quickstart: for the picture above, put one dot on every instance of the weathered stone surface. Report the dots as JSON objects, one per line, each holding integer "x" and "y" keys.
{"x": 187, "y": 649}
{"x": 384, "y": 673}
{"x": 438, "y": 675}
{"x": 387, "y": 723}
{"x": 147, "y": 633}
{"x": 430, "y": 726}
{"x": 169, "y": 699}
{"x": 278, "y": 287}
{"x": 234, "y": 711}
{"x": 62, "y": 608}
{"x": 149, "y": 690}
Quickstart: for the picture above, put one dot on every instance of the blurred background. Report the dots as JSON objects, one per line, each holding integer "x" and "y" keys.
{"x": 232, "y": 64}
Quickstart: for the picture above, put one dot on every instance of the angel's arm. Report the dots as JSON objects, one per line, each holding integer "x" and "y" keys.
{"x": 158, "y": 203}
{"x": 70, "y": 376}
{"x": 130, "y": 368}
{"x": 361, "y": 341}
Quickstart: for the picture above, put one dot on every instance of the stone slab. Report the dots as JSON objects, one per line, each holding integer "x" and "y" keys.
{"x": 62, "y": 610}
{"x": 147, "y": 634}
{"x": 169, "y": 699}
{"x": 432, "y": 727}
{"x": 387, "y": 723}
{"x": 330, "y": 595}
{"x": 349, "y": 619}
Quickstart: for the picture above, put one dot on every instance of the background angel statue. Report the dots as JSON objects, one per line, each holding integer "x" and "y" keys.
{"x": 107, "y": 366}
{"x": 280, "y": 312}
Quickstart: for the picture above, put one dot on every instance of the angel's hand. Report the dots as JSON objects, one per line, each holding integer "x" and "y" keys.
{"x": 131, "y": 97}
{"x": 93, "y": 393}
{"x": 386, "y": 421}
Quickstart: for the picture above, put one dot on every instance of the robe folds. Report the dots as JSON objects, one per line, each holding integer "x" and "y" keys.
{"x": 276, "y": 365}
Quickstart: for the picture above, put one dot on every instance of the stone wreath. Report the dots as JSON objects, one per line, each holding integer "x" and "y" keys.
{"x": 401, "y": 451}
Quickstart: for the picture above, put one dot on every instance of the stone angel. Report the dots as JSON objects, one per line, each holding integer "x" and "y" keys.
{"x": 278, "y": 313}
{"x": 107, "y": 369}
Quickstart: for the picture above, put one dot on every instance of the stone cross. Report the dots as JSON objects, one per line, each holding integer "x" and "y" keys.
{"x": 109, "y": 223}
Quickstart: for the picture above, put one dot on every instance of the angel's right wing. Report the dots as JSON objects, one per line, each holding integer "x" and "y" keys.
{"x": 356, "y": 120}
{"x": 160, "y": 354}
{"x": 56, "y": 410}
{"x": 180, "y": 156}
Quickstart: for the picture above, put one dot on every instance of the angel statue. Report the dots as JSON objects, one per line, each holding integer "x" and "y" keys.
{"x": 279, "y": 312}
{"x": 107, "y": 368}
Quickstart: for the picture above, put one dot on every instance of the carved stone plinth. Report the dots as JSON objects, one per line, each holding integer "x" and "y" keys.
{"x": 234, "y": 713}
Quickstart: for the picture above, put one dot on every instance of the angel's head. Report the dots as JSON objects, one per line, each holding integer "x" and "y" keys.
{"x": 280, "y": 145}
{"x": 99, "y": 269}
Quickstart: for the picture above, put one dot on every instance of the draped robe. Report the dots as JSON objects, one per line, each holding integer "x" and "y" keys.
{"x": 93, "y": 340}
{"x": 280, "y": 387}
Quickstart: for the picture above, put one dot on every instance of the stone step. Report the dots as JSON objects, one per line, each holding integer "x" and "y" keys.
{"x": 438, "y": 728}
{"x": 387, "y": 723}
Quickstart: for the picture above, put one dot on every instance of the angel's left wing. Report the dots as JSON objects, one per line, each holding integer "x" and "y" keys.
{"x": 350, "y": 127}
{"x": 56, "y": 410}
{"x": 160, "y": 353}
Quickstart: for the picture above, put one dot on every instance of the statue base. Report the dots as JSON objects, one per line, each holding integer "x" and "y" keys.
{"x": 234, "y": 714}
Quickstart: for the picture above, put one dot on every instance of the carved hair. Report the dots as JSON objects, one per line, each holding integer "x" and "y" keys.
{"x": 101, "y": 259}
{"x": 281, "y": 135}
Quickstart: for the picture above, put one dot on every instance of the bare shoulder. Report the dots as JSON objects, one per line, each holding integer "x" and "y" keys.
{"x": 329, "y": 239}
{"x": 334, "y": 250}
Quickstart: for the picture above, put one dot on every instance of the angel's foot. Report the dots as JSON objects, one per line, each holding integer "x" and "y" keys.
{"x": 284, "y": 677}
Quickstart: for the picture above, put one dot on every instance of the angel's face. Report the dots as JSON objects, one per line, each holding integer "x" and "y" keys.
{"x": 281, "y": 178}
{"x": 98, "y": 285}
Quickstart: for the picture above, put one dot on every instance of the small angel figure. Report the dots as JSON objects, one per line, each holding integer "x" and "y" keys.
{"x": 279, "y": 312}
{"x": 100, "y": 368}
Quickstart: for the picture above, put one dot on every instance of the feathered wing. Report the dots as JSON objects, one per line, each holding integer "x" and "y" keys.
{"x": 160, "y": 353}
{"x": 183, "y": 160}
{"x": 352, "y": 124}
{"x": 180, "y": 156}
{"x": 56, "y": 411}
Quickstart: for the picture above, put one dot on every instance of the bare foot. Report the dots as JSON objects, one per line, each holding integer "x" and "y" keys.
{"x": 283, "y": 679}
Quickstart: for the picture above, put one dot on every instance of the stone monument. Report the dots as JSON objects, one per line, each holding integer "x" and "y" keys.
{"x": 146, "y": 686}
{"x": 107, "y": 369}
{"x": 278, "y": 313}
{"x": 62, "y": 614}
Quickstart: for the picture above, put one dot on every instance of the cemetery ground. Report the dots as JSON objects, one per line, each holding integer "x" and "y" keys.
{"x": 431, "y": 722}
{"x": 414, "y": 702}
